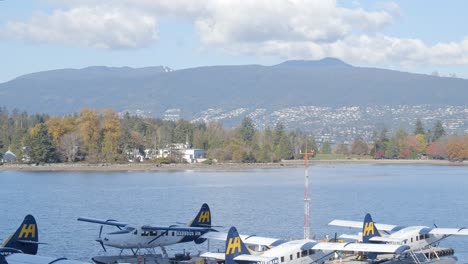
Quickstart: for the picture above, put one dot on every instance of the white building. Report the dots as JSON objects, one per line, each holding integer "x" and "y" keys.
{"x": 193, "y": 155}
{"x": 182, "y": 152}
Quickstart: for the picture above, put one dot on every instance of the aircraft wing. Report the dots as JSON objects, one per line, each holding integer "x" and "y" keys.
{"x": 219, "y": 256}
{"x": 102, "y": 221}
{"x": 449, "y": 231}
{"x": 247, "y": 239}
{"x": 386, "y": 239}
{"x": 357, "y": 224}
{"x": 363, "y": 247}
{"x": 34, "y": 259}
{"x": 254, "y": 258}
{"x": 174, "y": 228}
{"x": 243, "y": 257}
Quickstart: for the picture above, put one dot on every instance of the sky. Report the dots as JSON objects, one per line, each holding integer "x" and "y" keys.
{"x": 422, "y": 36}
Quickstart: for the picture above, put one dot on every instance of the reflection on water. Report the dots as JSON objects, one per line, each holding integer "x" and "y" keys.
{"x": 263, "y": 202}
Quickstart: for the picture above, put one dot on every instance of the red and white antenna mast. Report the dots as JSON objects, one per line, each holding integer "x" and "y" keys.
{"x": 306, "y": 194}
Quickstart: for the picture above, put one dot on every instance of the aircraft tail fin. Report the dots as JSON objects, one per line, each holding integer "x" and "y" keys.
{"x": 234, "y": 246}
{"x": 369, "y": 230}
{"x": 203, "y": 218}
{"x": 25, "y": 238}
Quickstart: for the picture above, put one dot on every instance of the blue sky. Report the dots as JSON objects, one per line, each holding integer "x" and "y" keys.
{"x": 416, "y": 36}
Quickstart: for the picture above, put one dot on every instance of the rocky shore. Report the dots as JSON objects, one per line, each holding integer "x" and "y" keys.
{"x": 217, "y": 166}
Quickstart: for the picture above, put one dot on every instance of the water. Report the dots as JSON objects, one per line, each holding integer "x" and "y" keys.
{"x": 263, "y": 202}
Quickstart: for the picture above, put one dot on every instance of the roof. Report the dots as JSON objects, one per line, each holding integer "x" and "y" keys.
{"x": 9, "y": 153}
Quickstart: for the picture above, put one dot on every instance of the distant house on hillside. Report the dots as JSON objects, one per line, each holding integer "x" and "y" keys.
{"x": 9, "y": 157}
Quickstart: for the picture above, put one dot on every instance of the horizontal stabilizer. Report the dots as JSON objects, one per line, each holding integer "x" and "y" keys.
{"x": 31, "y": 242}
{"x": 363, "y": 247}
{"x": 357, "y": 224}
{"x": 449, "y": 231}
{"x": 102, "y": 222}
{"x": 352, "y": 237}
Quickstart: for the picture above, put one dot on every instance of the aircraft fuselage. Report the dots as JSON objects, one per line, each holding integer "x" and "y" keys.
{"x": 149, "y": 239}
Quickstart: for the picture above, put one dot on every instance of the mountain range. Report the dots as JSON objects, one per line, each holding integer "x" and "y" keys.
{"x": 154, "y": 90}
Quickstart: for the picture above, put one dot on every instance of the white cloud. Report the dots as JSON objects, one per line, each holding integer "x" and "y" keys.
{"x": 306, "y": 29}
{"x": 97, "y": 27}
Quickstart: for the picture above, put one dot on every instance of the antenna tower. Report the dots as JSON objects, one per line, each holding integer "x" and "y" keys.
{"x": 306, "y": 194}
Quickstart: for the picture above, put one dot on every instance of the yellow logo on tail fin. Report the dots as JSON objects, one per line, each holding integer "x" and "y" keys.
{"x": 369, "y": 228}
{"x": 28, "y": 230}
{"x": 204, "y": 217}
{"x": 234, "y": 246}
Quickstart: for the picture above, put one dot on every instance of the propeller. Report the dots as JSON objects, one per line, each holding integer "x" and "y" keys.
{"x": 100, "y": 239}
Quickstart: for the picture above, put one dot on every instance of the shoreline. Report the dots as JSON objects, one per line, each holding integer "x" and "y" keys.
{"x": 216, "y": 167}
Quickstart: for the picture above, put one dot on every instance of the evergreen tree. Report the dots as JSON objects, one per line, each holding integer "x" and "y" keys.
{"x": 438, "y": 131}
{"x": 40, "y": 144}
{"x": 419, "y": 127}
{"x": 380, "y": 143}
{"x": 247, "y": 130}
{"x": 283, "y": 150}
{"x": 278, "y": 133}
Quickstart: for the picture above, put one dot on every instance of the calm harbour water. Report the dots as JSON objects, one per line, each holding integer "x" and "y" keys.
{"x": 263, "y": 202}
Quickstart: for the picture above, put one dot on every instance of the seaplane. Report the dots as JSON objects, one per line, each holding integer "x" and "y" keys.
{"x": 277, "y": 251}
{"x": 22, "y": 246}
{"x": 417, "y": 238}
{"x": 136, "y": 237}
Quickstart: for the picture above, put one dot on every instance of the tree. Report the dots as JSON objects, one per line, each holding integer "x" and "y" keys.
{"x": 392, "y": 149}
{"x": 88, "y": 124}
{"x": 342, "y": 149}
{"x": 438, "y": 131}
{"x": 380, "y": 143}
{"x": 419, "y": 127}
{"x": 359, "y": 147}
{"x": 422, "y": 143}
{"x": 247, "y": 130}
{"x": 283, "y": 150}
{"x": 278, "y": 133}
{"x": 59, "y": 127}
{"x": 457, "y": 148}
{"x": 326, "y": 148}
{"x": 69, "y": 146}
{"x": 40, "y": 146}
{"x": 437, "y": 150}
{"x": 183, "y": 132}
{"x": 111, "y": 133}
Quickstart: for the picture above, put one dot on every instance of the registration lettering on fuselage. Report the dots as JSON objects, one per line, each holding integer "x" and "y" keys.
{"x": 188, "y": 233}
